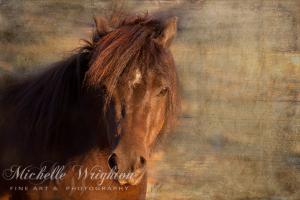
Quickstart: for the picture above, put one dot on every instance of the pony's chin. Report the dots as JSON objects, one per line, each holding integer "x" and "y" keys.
{"x": 133, "y": 181}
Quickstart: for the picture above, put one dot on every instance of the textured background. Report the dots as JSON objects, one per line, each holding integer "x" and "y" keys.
{"x": 239, "y": 67}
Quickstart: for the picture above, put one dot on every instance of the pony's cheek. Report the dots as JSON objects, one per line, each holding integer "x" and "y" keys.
{"x": 156, "y": 125}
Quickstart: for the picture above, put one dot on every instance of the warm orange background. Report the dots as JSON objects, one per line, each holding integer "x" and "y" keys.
{"x": 239, "y": 67}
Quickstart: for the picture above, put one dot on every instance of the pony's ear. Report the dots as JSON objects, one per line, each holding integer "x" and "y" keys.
{"x": 168, "y": 32}
{"x": 102, "y": 25}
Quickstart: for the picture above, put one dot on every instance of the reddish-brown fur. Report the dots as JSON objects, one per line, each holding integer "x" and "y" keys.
{"x": 109, "y": 101}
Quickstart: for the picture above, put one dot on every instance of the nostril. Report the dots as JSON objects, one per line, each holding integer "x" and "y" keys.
{"x": 112, "y": 162}
{"x": 142, "y": 161}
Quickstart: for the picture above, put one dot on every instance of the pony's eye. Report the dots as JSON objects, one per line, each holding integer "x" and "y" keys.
{"x": 163, "y": 92}
{"x": 123, "y": 111}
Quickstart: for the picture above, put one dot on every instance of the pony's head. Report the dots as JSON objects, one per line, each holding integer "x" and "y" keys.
{"x": 132, "y": 63}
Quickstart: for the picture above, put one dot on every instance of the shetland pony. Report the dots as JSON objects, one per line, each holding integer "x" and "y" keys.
{"x": 105, "y": 106}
